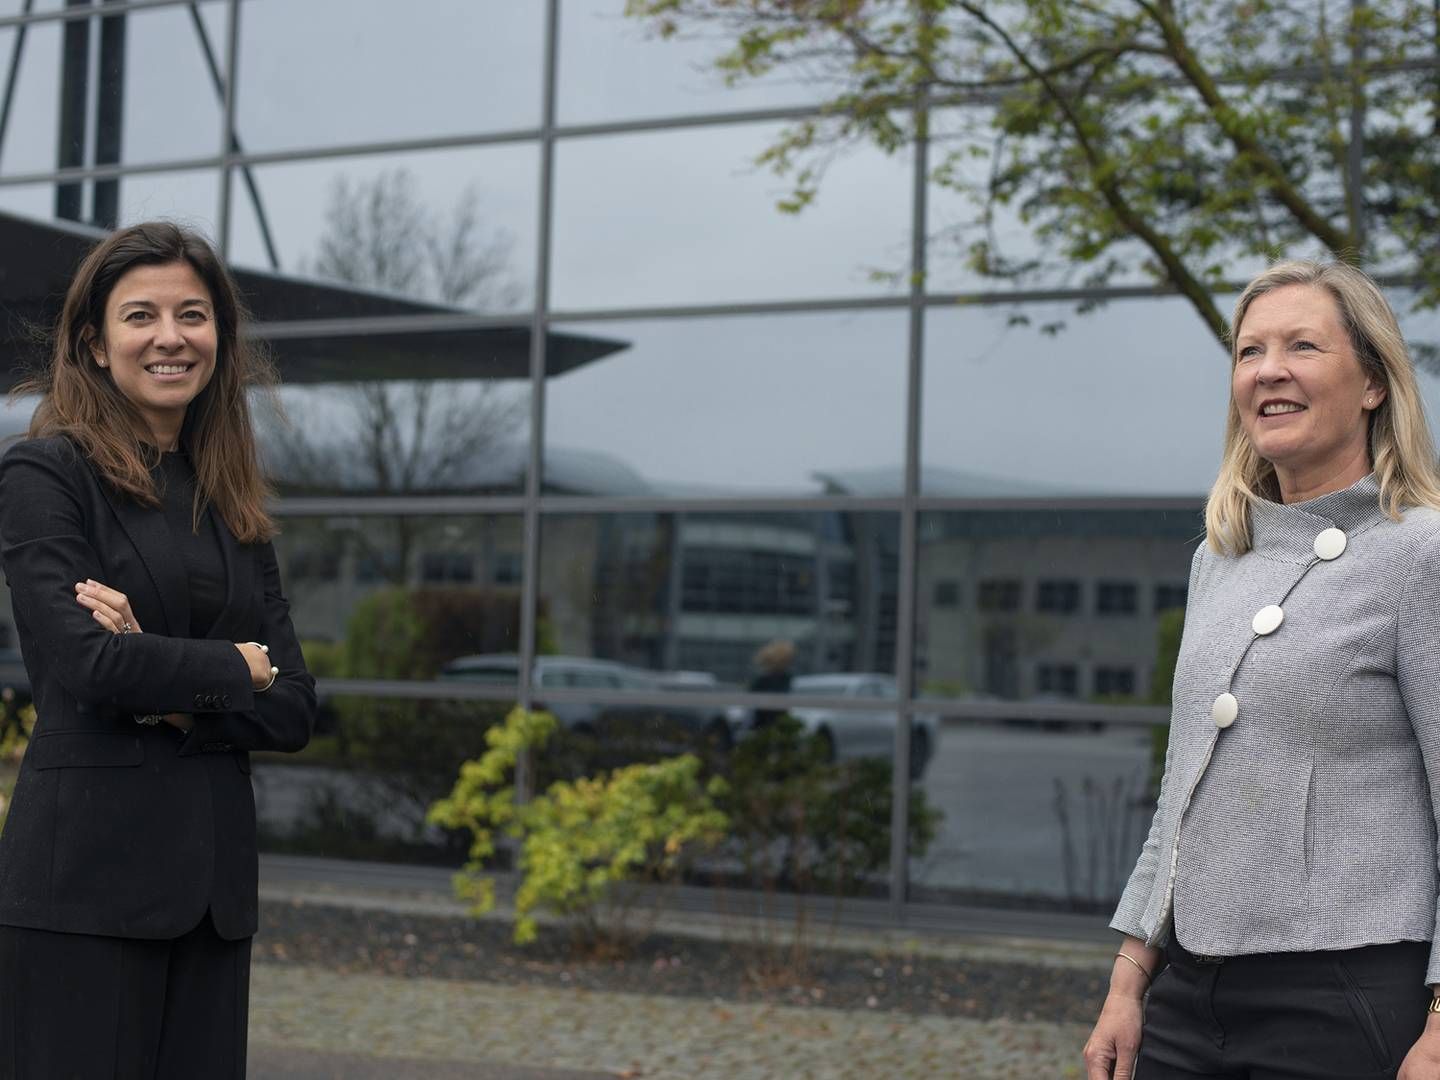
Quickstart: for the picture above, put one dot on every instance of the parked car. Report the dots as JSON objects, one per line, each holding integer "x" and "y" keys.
{"x": 866, "y": 732}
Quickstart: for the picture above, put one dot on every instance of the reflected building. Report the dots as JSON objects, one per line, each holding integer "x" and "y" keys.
{"x": 574, "y": 359}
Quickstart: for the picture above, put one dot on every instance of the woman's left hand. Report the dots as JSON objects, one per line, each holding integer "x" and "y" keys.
{"x": 1423, "y": 1060}
{"x": 110, "y": 607}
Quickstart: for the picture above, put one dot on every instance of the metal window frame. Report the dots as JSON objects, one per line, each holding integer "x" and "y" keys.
{"x": 533, "y": 505}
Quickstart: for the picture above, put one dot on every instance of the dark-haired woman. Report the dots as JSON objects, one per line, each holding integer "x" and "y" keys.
{"x": 147, "y": 601}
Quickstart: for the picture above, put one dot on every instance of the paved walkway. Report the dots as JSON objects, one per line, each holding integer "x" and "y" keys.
{"x": 312, "y": 1024}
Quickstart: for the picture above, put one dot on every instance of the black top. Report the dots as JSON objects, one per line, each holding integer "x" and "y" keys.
{"x": 200, "y": 554}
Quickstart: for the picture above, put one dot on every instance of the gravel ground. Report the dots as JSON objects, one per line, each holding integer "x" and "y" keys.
{"x": 409, "y": 945}
{"x": 630, "y": 1036}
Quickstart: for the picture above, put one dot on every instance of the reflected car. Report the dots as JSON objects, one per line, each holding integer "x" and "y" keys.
{"x": 867, "y": 732}
{"x": 676, "y": 727}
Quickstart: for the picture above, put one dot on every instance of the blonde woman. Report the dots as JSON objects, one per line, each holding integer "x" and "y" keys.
{"x": 1282, "y": 911}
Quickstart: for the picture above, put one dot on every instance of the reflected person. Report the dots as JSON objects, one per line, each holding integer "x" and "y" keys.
{"x": 773, "y": 663}
{"x": 148, "y": 606}
{"x": 1282, "y": 911}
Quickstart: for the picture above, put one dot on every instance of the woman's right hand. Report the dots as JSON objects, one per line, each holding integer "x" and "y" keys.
{"x": 258, "y": 660}
{"x": 1113, "y": 1046}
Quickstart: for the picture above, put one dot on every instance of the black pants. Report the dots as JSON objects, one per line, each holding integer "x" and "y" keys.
{"x": 1345, "y": 1015}
{"x": 77, "y": 1007}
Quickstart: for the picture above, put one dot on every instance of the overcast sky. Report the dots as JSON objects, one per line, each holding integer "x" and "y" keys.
{"x": 1130, "y": 399}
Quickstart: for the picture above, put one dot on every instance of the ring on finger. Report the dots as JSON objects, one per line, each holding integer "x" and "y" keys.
{"x": 126, "y": 628}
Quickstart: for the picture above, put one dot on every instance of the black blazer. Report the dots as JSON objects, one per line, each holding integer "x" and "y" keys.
{"x": 116, "y": 827}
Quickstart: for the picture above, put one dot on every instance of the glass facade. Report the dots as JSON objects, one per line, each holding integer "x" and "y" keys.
{"x": 577, "y": 418}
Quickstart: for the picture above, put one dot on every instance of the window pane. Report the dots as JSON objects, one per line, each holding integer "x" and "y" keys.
{"x": 1129, "y": 399}
{"x": 1010, "y": 647}
{"x": 428, "y": 233}
{"x": 769, "y": 404}
{"x": 369, "y": 71}
{"x": 686, "y": 217}
{"x": 819, "y": 823}
{"x": 722, "y": 600}
{"x": 362, "y": 431}
{"x": 361, "y": 788}
{"x": 190, "y": 198}
{"x": 32, "y": 139}
{"x": 365, "y": 607}
{"x": 1032, "y": 817}
{"x": 168, "y": 107}
{"x": 612, "y": 68}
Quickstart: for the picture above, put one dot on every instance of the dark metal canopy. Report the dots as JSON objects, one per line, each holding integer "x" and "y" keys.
{"x": 309, "y": 324}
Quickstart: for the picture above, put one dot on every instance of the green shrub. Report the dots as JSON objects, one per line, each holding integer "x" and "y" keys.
{"x": 581, "y": 841}
{"x": 802, "y": 822}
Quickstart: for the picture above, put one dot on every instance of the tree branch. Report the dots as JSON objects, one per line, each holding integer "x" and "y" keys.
{"x": 1104, "y": 178}
{"x": 1249, "y": 147}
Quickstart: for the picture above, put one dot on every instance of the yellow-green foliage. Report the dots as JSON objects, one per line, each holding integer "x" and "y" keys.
{"x": 580, "y": 839}
{"x": 15, "y": 732}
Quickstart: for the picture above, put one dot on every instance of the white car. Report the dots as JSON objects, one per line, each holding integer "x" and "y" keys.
{"x": 865, "y": 732}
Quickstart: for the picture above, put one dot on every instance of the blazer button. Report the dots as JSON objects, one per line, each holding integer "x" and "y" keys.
{"x": 224, "y": 701}
{"x": 1268, "y": 619}
{"x": 199, "y": 701}
{"x": 1225, "y": 709}
{"x": 1330, "y": 544}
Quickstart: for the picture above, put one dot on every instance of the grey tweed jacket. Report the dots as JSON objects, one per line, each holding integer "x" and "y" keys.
{"x": 1298, "y": 806}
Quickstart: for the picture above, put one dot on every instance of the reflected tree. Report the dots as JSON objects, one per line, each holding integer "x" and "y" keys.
{"x": 405, "y": 435}
{"x": 1182, "y": 142}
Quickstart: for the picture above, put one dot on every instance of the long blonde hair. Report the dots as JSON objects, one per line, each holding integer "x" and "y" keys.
{"x": 1401, "y": 451}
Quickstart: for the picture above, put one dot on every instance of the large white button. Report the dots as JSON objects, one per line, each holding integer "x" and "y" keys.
{"x": 1268, "y": 619}
{"x": 1224, "y": 711}
{"x": 1330, "y": 544}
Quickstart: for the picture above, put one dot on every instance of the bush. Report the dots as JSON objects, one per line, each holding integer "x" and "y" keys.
{"x": 802, "y": 822}
{"x": 582, "y": 841}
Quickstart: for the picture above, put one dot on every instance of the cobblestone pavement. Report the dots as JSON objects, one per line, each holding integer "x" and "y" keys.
{"x": 301, "y": 1017}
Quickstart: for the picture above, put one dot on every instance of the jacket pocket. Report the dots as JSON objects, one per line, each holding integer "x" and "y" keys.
{"x": 1364, "y": 1014}
{"x": 84, "y": 749}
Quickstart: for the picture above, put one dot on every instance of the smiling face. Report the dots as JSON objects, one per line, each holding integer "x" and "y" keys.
{"x": 158, "y": 343}
{"x": 1303, "y": 398}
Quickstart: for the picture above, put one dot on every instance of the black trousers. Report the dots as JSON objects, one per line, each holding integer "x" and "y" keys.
{"x": 1344, "y": 1015}
{"x": 78, "y": 1007}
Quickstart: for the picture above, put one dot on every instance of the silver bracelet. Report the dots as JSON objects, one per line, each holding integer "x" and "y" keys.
{"x": 274, "y": 674}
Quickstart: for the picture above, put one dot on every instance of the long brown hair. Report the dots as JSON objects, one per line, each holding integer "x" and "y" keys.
{"x": 81, "y": 401}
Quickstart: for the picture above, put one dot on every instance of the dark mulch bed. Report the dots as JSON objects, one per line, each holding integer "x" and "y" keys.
{"x": 347, "y": 940}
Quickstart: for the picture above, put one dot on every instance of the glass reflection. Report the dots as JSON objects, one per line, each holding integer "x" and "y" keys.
{"x": 696, "y": 597}
{"x": 390, "y": 437}
{"x": 361, "y": 788}
{"x": 1130, "y": 399}
{"x": 733, "y": 405}
{"x": 364, "y": 65}
{"x": 424, "y": 233}
{"x": 1049, "y": 602}
{"x": 1035, "y": 817}
{"x": 151, "y": 96}
{"x": 612, "y": 68}
{"x": 634, "y": 198}
{"x": 401, "y": 597}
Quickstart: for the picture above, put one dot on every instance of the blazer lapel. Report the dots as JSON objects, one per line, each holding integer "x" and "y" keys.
{"x": 239, "y": 578}
{"x": 151, "y": 536}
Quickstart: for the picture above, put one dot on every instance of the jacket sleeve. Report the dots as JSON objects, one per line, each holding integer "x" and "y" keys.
{"x": 1417, "y": 671}
{"x": 1130, "y": 912}
{"x": 44, "y": 550}
{"x": 282, "y": 717}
